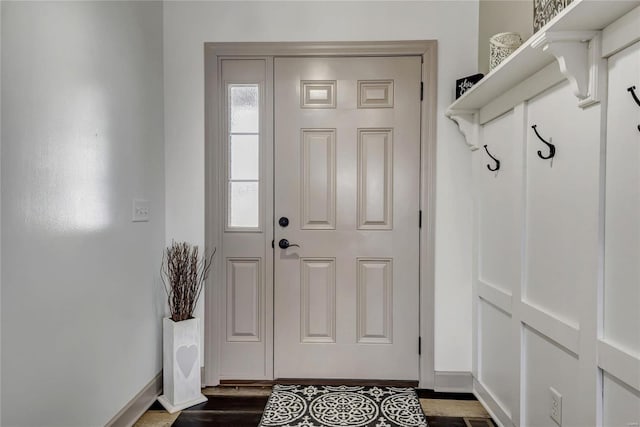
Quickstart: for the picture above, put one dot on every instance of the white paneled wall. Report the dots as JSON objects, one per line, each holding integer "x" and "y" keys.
{"x": 620, "y": 344}
{"x": 498, "y": 209}
{"x": 537, "y": 252}
{"x": 496, "y": 369}
{"x": 621, "y": 402}
{"x": 622, "y": 227}
{"x": 547, "y": 364}
{"x": 561, "y": 207}
{"x": 557, "y": 249}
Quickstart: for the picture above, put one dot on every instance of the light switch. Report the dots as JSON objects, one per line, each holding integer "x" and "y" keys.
{"x": 140, "y": 210}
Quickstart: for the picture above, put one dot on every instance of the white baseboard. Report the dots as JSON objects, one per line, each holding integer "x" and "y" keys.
{"x": 172, "y": 409}
{"x": 500, "y": 417}
{"x": 138, "y": 405}
{"x": 453, "y": 382}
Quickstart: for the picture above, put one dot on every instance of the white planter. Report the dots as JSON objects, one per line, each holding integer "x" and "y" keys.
{"x": 181, "y": 365}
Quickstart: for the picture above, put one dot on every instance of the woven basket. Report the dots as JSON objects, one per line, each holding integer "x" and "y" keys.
{"x": 502, "y": 45}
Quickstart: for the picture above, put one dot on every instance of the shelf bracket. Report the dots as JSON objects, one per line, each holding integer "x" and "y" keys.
{"x": 468, "y": 124}
{"x": 579, "y": 56}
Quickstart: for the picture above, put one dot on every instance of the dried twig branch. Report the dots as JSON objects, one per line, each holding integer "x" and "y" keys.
{"x": 183, "y": 276}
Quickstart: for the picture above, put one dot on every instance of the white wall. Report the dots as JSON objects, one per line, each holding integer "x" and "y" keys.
{"x": 81, "y": 302}
{"x": 500, "y": 16}
{"x": 188, "y": 25}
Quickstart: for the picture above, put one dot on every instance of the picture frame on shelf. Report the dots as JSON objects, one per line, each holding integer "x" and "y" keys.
{"x": 466, "y": 83}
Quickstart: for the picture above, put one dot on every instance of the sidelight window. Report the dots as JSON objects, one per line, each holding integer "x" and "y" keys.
{"x": 243, "y": 158}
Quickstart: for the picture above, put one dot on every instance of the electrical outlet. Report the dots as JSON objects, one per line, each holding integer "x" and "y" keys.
{"x": 141, "y": 210}
{"x": 555, "y": 411}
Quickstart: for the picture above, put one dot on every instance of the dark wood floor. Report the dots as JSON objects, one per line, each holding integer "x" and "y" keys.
{"x": 243, "y": 409}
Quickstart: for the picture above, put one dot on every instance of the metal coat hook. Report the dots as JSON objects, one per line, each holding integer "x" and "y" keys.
{"x": 635, "y": 98}
{"x": 633, "y": 93}
{"x": 494, "y": 159}
{"x": 552, "y": 148}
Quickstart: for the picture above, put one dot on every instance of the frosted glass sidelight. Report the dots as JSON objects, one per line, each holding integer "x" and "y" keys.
{"x": 243, "y": 106}
{"x": 243, "y": 198}
{"x": 245, "y": 158}
{"x": 244, "y": 206}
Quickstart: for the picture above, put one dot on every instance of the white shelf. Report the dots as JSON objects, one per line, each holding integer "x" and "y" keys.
{"x": 581, "y": 15}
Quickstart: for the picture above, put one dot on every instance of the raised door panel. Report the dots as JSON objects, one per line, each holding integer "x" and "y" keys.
{"x": 375, "y": 179}
{"x": 318, "y": 179}
{"x": 375, "y": 300}
{"x": 243, "y": 300}
{"x": 622, "y": 216}
{"x": 318, "y": 300}
{"x": 562, "y": 203}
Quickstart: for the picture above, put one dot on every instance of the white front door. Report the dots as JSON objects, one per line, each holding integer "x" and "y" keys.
{"x": 347, "y": 177}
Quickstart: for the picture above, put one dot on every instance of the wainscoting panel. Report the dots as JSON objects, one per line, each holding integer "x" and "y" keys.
{"x": 621, "y": 402}
{"x": 498, "y": 264}
{"x": 622, "y": 236}
{"x": 562, "y": 202}
{"x": 496, "y": 367}
{"x": 499, "y": 212}
{"x": 620, "y": 364}
{"x": 556, "y": 230}
{"x": 495, "y": 296}
{"x": 552, "y": 327}
{"x": 548, "y": 365}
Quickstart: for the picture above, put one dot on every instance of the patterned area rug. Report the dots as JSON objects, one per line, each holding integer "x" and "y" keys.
{"x": 342, "y": 406}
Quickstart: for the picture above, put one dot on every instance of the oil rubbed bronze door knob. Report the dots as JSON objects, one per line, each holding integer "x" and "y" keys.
{"x": 284, "y": 244}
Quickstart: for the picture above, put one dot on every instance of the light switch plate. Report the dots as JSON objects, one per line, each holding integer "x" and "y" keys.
{"x": 141, "y": 210}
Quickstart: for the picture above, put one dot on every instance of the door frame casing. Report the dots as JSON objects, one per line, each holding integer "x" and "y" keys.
{"x": 213, "y": 141}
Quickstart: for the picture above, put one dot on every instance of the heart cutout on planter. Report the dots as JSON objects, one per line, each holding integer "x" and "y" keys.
{"x": 186, "y": 357}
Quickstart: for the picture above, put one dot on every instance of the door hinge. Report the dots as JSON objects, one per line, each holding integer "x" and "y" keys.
{"x": 272, "y": 244}
{"x": 421, "y": 91}
{"x": 420, "y": 219}
{"x": 419, "y": 346}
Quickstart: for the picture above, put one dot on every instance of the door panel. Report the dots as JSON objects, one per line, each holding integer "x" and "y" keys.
{"x": 243, "y": 201}
{"x": 347, "y": 170}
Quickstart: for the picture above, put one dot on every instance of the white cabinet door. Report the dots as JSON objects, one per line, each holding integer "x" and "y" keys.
{"x": 347, "y": 169}
{"x": 622, "y": 216}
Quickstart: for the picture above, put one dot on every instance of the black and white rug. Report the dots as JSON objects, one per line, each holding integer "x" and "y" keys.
{"x": 342, "y": 406}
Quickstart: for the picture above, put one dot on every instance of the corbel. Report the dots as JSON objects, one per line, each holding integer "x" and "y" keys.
{"x": 579, "y": 55}
{"x": 468, "y": 124}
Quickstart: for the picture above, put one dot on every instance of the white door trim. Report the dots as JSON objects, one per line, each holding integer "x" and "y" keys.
{"x": 213, "y": 52}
